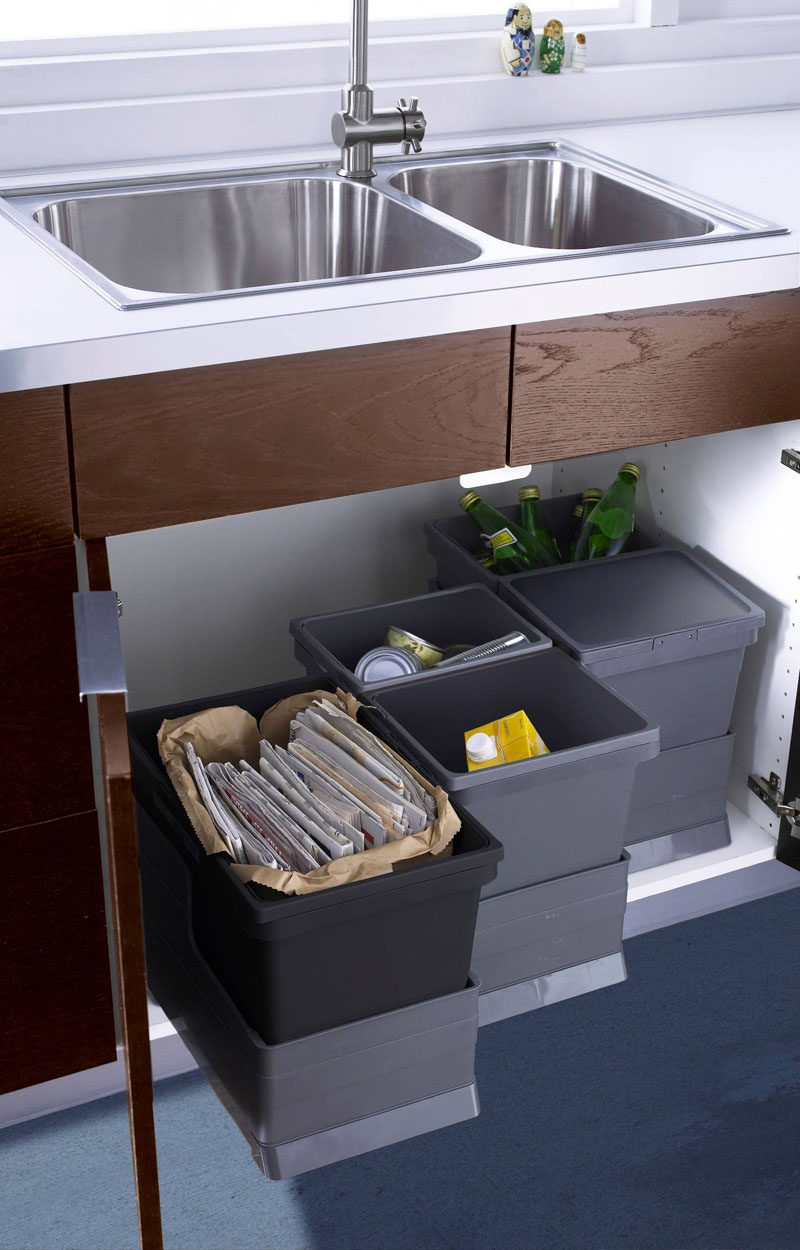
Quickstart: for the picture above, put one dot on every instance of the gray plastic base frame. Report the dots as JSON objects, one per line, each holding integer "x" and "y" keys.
{"x": 555, "y": 987}
{"x": 679, "y": 844}
{"x": 386, "y": 1129}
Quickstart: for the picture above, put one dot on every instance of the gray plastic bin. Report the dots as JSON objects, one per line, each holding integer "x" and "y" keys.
{"x": 658, "y": 626}
{"x": 323, "y": 1097}
{"x": 453, "y": 541}
{"x": 540, "y": 929}
{"x": 334, "y": 643}
{"x": 681, "y": 788}
{"x": 556, "y": 814}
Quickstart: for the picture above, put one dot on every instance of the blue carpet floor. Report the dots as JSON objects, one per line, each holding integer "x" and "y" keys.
{"x": 662, "y": 1114}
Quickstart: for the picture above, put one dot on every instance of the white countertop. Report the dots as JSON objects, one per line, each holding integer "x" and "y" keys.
{"x": 55, "y": 329}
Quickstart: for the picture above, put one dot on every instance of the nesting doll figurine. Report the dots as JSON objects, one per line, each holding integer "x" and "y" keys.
{"x": 551, "y": 48}
{"x": 578, "y": 56}
{"x": 517, "y": 42}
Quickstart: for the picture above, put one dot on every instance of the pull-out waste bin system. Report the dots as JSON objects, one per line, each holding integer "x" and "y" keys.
{"x": 470, "y": 615}
{"x": 331, "y": 1022}
{"x": 454, "y": 542}
{"x": 323, "y": 1097}
{"x": 669, "y": 635}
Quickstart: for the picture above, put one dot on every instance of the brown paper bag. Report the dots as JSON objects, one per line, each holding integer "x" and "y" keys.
{"x": 228, "y": 734}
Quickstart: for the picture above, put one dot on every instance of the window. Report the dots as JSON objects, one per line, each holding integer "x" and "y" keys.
{"x": 54, "y": 19}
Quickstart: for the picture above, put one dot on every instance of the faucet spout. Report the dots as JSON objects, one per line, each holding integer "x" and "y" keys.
{"x": 358, "y": 126}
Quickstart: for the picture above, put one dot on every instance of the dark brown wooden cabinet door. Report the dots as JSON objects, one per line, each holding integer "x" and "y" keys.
{"x": 617, "y": 380}
{"x": 35, "y": 500}
{"x": 126, "y": 917}
{"x": 173, "y": 447}
{"x": 54, "y": 964}
{"x": 46, "y": 767}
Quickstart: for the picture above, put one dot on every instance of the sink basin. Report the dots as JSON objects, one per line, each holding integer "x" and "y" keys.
{"x": 175, "y": 241}
{"x": 232, "y": 237}
{"x": 550, "y": 203}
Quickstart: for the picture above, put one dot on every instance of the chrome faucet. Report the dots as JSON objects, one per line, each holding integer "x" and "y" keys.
{"x": 357, "y": 127}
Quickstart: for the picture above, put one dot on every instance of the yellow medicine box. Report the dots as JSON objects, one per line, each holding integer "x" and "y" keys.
{"x": 503, "y": 741}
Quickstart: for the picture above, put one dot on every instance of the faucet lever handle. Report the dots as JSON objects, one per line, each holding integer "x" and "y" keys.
{"x": 409, "y": 145}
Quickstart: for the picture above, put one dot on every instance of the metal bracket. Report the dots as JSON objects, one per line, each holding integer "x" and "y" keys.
{"x": 791, "y": 458}
{"x": 770, "y": 792}
{"x": 101, "y": 669}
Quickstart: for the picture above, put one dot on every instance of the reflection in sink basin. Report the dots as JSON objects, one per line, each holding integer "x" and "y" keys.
{"x": 240, "y": 235}
{"x": 549, "y": 204}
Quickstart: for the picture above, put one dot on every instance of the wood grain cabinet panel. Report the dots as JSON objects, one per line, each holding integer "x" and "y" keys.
{"x": 46, "y": 768}
{"x": 592, "y": 384}
{"x": 58, "y": 1014}
{"x": 163, "y": 449}
{"x": 35, "y": 500}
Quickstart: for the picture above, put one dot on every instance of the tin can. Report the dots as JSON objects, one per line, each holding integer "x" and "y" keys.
{"x": 386, "y": 663}
{"x": 396, "y": 637}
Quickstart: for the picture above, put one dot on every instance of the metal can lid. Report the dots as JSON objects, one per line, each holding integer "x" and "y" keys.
{"x": 481, "y": 747}
{"x": 386, "y": 663}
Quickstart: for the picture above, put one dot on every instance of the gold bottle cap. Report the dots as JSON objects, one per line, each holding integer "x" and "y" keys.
{"x": 468, "y": 499}
{"x": 592, "y": 495}
{"x": 633, "y": 469}
{"x": 529, "y": 492}
{"x": 578, "y": 509}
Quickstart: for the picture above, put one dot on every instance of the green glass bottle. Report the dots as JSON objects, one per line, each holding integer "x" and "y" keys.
{"x": 515, "y": 550}
{"x": 533, "y": 520}
{"x": 608, "y": 526}
{"x": 588, "y": 499}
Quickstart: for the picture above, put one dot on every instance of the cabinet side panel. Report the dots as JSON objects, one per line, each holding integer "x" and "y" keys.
{"x": 592, "y": 384}
{"x": 164, "y": 449}
{"x": 35, "y": 502}
{"x": 58, "y": 1015}
{"x": 44, "y": 732}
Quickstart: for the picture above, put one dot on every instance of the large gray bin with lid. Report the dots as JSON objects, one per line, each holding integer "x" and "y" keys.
{"x": 555, "y": 814}
{"x": 323, "y": 1097}
{"x": 658, "y": 626}
{"x": 543, "y": 928}
{"x": 473, "y": 615}
{"x": 454, "y": 542}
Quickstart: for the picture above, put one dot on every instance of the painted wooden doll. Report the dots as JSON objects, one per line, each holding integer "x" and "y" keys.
{"x": 578, "y": 57}
{"x": 517, "y": 42}
{"x": 551, "y": 48}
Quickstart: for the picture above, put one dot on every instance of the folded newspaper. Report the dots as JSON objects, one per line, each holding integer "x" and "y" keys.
{"x": 307, "y": 800}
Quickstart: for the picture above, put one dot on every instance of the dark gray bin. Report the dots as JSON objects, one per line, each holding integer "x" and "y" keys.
{"x": 658, "y": 626}
{"x": 323, "y": 1097}
{"x": 681, "y": 788}
{"x": 680, "y": 844}
{"x": 557, "y": 814}
{"x": 542, "y": 928}
{"x": 334, "y": 643}
{"x": 454, "y": 541}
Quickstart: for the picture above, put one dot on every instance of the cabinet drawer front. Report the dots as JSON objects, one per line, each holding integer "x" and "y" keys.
{"x": 164, "y": 449}
{"x": 44, "y": 730}
{"x": 618, "y": 380}
{"x": 54, "y": 967}
{"x": 35, "y": 502}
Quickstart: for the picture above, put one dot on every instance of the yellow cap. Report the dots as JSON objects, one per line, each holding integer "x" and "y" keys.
{"x": 592, "y": 495}
{"x": 633, "y": 469}
{"x": 529, "y": 492}
{"x": 467, "y": 500}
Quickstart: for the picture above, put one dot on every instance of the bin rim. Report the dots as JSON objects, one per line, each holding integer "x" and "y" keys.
{"x": 645, "y": 741}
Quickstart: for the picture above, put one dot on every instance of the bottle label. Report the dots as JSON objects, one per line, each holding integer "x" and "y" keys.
{"x": 503, "y": 538}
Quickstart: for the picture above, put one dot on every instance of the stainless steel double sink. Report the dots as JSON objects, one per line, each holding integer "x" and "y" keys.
{"x": 173, "y": 241}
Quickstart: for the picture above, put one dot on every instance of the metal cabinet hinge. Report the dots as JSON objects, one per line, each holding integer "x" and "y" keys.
{"x": 770, "y": 792}
{"x": 791, "y": 459}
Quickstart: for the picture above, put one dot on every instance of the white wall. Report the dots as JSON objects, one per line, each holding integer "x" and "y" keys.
{"x": 207, "y": 606}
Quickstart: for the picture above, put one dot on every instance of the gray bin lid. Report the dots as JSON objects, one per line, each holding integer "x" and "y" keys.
{"x": 661, "y": 600}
